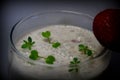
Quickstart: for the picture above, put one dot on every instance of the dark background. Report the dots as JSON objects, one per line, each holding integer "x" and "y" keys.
{"x": 13, "y": 10}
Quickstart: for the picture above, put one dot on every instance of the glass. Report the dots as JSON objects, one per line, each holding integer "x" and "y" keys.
{"x": 40, "y": 20}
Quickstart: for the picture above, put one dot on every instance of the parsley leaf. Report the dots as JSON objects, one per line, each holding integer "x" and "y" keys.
{"x": 28, "y": 43}
{"x": 56, "y": 45}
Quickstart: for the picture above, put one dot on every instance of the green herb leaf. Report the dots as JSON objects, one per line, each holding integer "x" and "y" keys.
{"x": 56, "y": 45}
{"x": 33, "y": 43}
{"x": 27, "y": 43}
{"x": 29, "y": 39}
{"x": 72, "y": 62}
{"x": 85, "y": 49}
{"x": 46, "y": 34}
{"x": 34, "y": 55}
{"x": 50, "y": 59}
{"x": 88, "y": 52}
{"x": 74, "y": 65}
{"x": 24, "y": 46}
{"x": 75, "y": 59}
{"x": 82, "y": 47}
{"x": 70, "y": 70}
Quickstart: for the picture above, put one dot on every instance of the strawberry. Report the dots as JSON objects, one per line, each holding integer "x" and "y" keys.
{"x": 106, "y": 28}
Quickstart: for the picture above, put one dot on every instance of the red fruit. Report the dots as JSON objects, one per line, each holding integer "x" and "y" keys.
{"x": 106, "y": 28}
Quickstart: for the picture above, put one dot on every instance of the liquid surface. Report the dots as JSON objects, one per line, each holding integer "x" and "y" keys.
{"x": 69, "y": 37}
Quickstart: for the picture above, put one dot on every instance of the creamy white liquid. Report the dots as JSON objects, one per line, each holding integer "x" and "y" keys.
{"x": 69, "y": 37}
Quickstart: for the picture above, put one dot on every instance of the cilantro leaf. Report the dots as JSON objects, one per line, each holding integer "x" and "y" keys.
{"x": 50, "y": 59}
{"x": 56, "y": 45}
{"x": 34, "y": 55}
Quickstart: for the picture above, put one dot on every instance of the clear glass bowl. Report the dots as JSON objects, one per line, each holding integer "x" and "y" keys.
{"x": 40, "y": 20}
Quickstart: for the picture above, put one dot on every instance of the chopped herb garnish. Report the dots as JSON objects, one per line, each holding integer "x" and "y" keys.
{"x": 74, "y": 65}
{"x": 85, "y": 49}
{"x": 56, "y": 45}
{"x": 50, "y": 59}
{"x": 28, "y": 43}
{"x": 47, "y": 35}
{"x": 34, "y": 55}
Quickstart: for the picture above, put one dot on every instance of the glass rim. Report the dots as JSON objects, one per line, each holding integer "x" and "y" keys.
{"x": 47, "y": 12}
